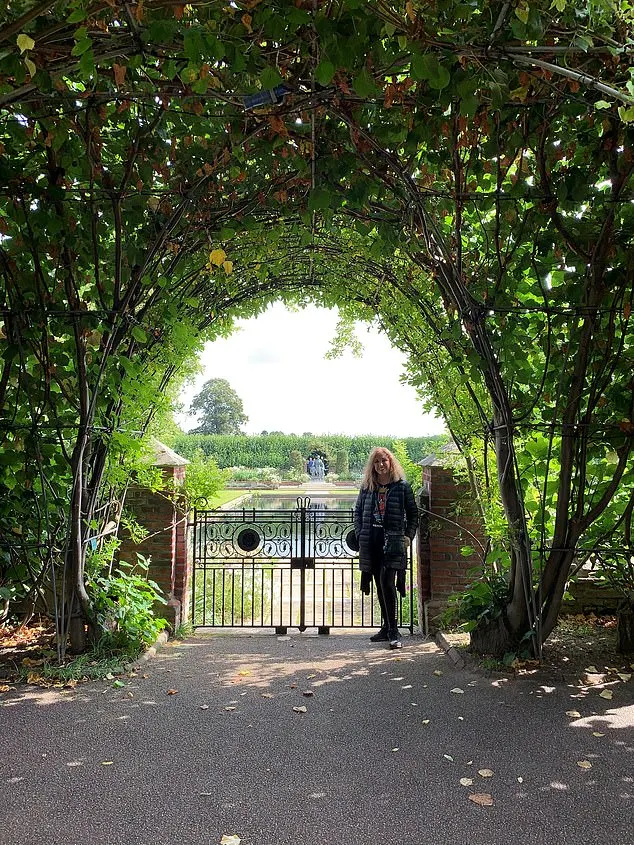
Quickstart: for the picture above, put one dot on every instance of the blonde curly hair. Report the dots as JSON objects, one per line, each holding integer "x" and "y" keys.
{"x": 370, "y": 481}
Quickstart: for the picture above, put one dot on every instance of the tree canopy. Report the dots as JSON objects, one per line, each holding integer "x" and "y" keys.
{"x": 461, "y": 172}
{"x": 220, "y": 408}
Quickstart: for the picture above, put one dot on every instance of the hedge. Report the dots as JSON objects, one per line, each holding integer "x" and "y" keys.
{"x": 274, "y": 450}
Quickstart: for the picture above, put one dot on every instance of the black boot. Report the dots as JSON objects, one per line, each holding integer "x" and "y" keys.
{"x": 380, "y": 636}
{"x": 394, "y": 638}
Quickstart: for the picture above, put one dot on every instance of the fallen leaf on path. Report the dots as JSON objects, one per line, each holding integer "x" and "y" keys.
{"x": 624, "y": 677}
{"x": 584, "y": 764}
{"x": 520, "y": 780}
{"x": 448, "y": 757}
{"x": 172, "y": 691}
{"x": 574, "y": 713}
{"x": 437, "y": 672}
{"x": 485, "y": 773}
{"x": 426, "y": 721}
{"x": 482, "y": 799}
{"x": 591, "y": 669}
{"x": 230, "y": 839}
{"x": 244, "y": 672}
{"x": 301, "y": 709}
{"x": 230, "y": 708}
{"x": 109, "y": 677}
{"x": 466, "y": 781}
{"x": 407, "y": 686}
{"x": 458, "y": 690}
{"x": 597, "y": 733}
{"x": 204, "y": 707}
{"x": 395, "y": 749}
{"x": 606, "y": 693}
{"x": 106, "y": 762}
{"x": 118, "y": 684}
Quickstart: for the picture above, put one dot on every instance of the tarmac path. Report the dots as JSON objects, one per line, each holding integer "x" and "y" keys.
{"x": 377, "y": 757}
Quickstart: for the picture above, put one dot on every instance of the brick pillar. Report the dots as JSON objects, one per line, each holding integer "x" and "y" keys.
{"x": 452, "y": 520}
{"x": 166, "y": 543}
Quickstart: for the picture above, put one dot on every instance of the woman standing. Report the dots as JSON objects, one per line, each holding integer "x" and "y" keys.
{"x": 385, "y": 521}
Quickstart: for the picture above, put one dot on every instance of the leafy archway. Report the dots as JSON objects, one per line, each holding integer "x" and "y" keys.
{"x": 463, "y": 172}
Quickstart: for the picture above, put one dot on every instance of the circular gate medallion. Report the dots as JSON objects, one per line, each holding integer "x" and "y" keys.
{"x": 351, "y": 541}
{"x": 248, "y": 539}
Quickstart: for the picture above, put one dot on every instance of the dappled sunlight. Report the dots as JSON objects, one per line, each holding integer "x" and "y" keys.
{"x": 262, "y": 670}
{"x": 616, "y": 718}
{"x": 41, "y": 697}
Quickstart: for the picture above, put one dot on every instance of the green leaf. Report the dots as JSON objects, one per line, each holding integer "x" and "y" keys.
{"x": 364, "y": 84}
{"x": 138, "y": 334}
{"x": 77, "y": 16}
{"x": 25, "y": 42}
{"x": 270, "y": 78}
{"x": 319, "y": 199}
{"x": 87, "y": 63}
{"x": 324, "y": 72}
{"x": 425, "y": 66}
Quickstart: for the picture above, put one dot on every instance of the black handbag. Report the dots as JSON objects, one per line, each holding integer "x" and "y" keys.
{"x": 393, "y": 545}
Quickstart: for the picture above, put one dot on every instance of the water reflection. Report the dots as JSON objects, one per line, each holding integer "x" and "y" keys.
{"x": 289, "y": 503}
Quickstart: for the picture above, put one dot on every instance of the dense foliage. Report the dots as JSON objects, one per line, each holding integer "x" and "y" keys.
{"x": 460, "y": 172}
{"x": 275, "y": 450}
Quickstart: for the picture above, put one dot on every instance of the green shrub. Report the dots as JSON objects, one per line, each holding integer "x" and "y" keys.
{"x": 273, "y": 450}
{"x": 482, "y": 599}
{"x": 124, "y": 601}
{"x": 297, "y": 462}
{"x": 342, "y": 466}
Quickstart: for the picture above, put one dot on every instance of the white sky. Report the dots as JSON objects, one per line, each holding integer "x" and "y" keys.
{"x": 276, "y": 365}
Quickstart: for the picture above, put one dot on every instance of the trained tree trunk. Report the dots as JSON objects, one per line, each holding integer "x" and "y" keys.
{"x": 625, "y": 629}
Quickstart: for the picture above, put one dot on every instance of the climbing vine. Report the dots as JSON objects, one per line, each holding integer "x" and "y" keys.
{"x": 463, "y": 171}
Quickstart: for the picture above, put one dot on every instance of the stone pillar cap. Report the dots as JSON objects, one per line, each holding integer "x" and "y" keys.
{"x": 163, "y": 456}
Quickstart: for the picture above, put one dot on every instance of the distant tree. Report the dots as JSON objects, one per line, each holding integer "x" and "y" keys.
{"x": 343, "y": 462}
{"x": 296, "y": 461}
{"x": 220, "y": 407}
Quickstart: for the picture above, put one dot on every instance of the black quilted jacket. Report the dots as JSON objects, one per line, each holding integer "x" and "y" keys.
{"x": 401, "y": 517}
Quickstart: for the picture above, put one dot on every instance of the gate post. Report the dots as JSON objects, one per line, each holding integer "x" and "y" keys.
{"x": 166, "y": 543}
{"x": 423, "y": 554}
{"x": 452, "y": 523}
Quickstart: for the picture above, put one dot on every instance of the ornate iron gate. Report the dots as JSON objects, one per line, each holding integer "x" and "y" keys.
{"x": 283, "y": 569}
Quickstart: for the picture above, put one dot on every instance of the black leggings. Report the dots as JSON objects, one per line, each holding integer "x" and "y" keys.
{"x": 384, "y": 579}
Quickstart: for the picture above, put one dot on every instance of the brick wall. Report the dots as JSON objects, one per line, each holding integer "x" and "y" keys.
{"x": 448, "y": 519}
{"x": 166, "y": 544}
